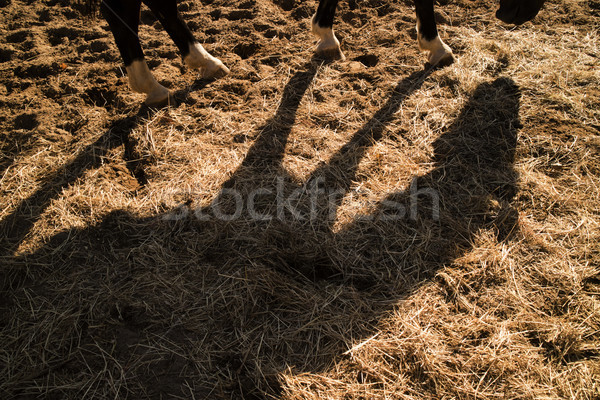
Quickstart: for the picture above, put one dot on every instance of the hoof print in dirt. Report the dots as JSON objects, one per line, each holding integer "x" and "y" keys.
{"x": 237, "y": 15}
{"x": 100, "y": 97}
{"x": 368, "y": 60}
{"x": 246, "y": 50}
{"x": 27, "y": 121}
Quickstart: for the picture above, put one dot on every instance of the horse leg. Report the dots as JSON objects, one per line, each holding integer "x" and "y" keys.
{"x": 322, "y": 27}
{"x": 429, "y": 40}
{"x": 194, "y": 55}
{"x": 123, "y": 19}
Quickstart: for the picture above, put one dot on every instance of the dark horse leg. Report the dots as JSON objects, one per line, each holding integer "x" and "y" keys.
{"x": 427, "y": 35}
{"x": 322, "y": 26}
{"x": 194, "y": 55}
{"x": 123, "y": 19}
{"x": 429, "y": 41}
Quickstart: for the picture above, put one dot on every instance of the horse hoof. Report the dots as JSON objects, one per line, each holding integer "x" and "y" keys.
{"x": 161, "y": 100}
{"x": 332, "y": 53}
{"x": 441, "y": 60}
{"x": 218, "y": 70}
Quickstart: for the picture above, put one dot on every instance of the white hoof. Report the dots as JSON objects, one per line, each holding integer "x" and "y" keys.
{"x": 438, "y": 52}
{"x": 329, "y": 45}
{"x": 141, "y": 80}
{"x": 216, "y": 70}
{"x": 209, "y": 66}
{"x": 159, "y": 98}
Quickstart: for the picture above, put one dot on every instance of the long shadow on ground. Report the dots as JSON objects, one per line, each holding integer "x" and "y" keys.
{"x": 217, "y": 300}
{"x": 15, "y": 227}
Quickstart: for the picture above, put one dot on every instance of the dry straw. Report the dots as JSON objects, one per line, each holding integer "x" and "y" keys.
{"x": 424, "y": 233}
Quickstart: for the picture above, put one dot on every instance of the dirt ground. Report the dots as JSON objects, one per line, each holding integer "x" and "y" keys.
{"x": 301, "y": 229}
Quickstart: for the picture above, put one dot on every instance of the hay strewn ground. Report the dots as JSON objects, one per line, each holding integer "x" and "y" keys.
{"x": 418, "y": 233}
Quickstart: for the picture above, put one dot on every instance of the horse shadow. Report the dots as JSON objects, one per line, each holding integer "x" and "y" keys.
{"x": 274, "y": 286}
{"x": 16, "y": 225}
